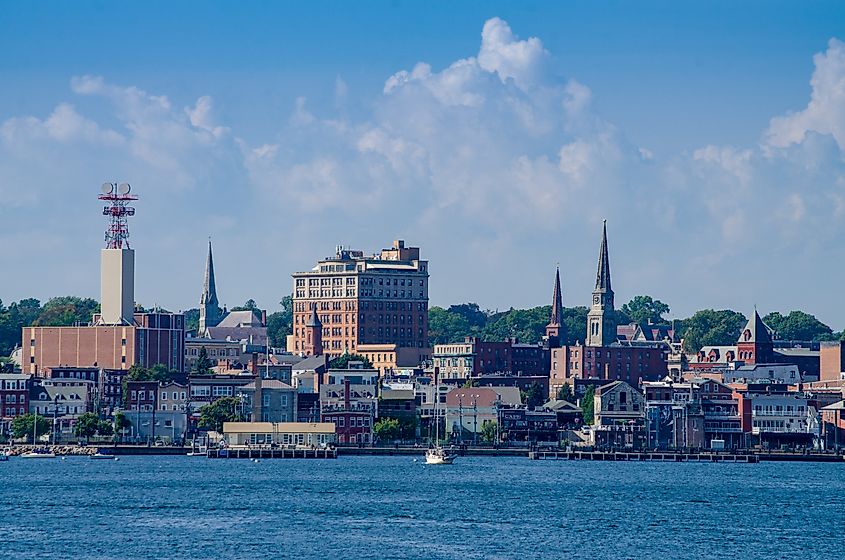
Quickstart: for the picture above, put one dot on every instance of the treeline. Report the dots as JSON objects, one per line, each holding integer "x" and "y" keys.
{"x": 57, "y": 312}
{"x": 708, "y": 327}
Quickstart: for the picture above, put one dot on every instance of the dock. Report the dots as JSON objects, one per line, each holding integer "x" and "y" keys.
{"x": 644, "y": 456}
{"x": 271, "y": 453}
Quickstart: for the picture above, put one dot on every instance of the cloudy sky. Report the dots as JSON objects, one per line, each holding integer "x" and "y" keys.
{"x": 495, "y": 137}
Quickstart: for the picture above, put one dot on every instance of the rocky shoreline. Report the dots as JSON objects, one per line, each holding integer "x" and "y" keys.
{"x": 64, "y": 450}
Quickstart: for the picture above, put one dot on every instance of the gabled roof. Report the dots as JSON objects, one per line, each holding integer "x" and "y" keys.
{"x": 756, "y": 331}
{"x": 246, "y": 318}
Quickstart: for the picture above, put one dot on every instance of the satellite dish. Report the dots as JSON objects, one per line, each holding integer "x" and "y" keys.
{"x": 123, "y": 188}
{"x": 107, "y": 188}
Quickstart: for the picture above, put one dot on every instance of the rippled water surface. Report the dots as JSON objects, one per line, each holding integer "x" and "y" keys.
{"x": 394, "y": 507}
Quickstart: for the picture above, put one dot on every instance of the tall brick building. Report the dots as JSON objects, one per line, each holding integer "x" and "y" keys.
{"x": 378, "y": 299}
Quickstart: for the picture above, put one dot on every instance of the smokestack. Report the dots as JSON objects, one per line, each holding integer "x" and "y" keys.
{"x": 254, "y": 363}
{"x": 264, "y": 318}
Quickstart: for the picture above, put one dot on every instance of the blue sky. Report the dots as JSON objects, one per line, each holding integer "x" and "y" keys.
{"x": 283, "y": 129}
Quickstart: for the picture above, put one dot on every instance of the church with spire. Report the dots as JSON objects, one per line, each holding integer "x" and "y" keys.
{"x": 603, "y": 356}
{"x": 210, "y": 312}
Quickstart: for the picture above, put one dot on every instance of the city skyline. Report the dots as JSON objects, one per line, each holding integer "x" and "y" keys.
{"x": 498, "y": 151}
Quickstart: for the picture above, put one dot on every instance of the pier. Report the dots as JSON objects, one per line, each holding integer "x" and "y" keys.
{"x": 270, "y": 453}
{"x": 645, "y": 456}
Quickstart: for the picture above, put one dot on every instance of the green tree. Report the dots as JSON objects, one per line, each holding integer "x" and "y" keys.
{"x": 22, "y": 426}
{"x": 67, "y": 310}
{"x": 192, "y": 319}
{"x": 575, "y": 324}
{"x": 121, "y": 423}
{"x": 248, "y": 306}
{"x": 565, "y": 394}
{"x": 528, "y": 325}
{"x": 158, "y": 373}
{"x": 533, "y": 396}
{"x": 587, "y": 405}
{"x": 104, "y": 428}
{"x": 488, "y": 431}
{"x": 386, "y": 429}
{"x": 644, "y": 309}
{"x": 798, "y": 325}
{"x": 280, "y": 323}
{"x": 342, "y": 361}
{"x": 86, "y": 425}
{"x": 224, "y": 409}
{"x": 445, "y": 327}
{"x": 203, "y": 365}
{"x": 711, "y": 328}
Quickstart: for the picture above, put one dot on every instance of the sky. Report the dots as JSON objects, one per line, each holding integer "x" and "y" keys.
{"x": 495, "y": 136}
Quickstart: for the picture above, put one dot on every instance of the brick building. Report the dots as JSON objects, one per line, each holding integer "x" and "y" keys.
{"x": 14, "y": 398}
{"x": 378, "y": 299}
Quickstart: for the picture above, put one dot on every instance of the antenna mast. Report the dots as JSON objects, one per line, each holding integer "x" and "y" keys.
{"x": 117, "y": 196}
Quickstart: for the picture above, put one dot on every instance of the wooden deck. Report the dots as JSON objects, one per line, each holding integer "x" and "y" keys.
{"x": 270, "y": 453}
{"x": 644, "y": 456}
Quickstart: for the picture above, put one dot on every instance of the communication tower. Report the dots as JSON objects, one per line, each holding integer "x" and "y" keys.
{"x": 118, "y": 198}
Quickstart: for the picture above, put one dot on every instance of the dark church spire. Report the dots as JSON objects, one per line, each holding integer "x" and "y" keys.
{"x": 210, "y": 313}
{"x": 603, "y": 273}
{"x": 557, "y": 302}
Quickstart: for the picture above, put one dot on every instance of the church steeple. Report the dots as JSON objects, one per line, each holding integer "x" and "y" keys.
{"x": 554, "y": 328}
{"x": 210, "y": 314}
{"x": 601, "y": 326}
{"x": 603, "y": 273}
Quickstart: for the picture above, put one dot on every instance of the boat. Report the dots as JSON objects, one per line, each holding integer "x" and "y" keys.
{"x": 99, "y": 455}
{"x": 436, "y": 454}
{"x": 43, "y": 453}
{"x": 38, "y": 454}
{"x": 4, "y": 455}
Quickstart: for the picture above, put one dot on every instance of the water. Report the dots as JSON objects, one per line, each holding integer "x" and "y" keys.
{"x": 393, "y": 508}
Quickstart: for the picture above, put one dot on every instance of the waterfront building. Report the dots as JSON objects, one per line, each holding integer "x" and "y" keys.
{"x": 62, "y": 405}
{"x": 14, "y": 398}
{"x": 378, "y": 299}
{"x": 349, "y": 399}
{"x": 765, "y": 372}
{"x": 519, "y": 425}
{"x": 301, "y": 434}
{"x": 205, "y": 389}
{"x": 467, "y": 408}
{"x": 832, "y": 361}
{"x": 780, "y": 416}
{"x": 106, "y": 384}
{"x": 268, "y": 400}
{"x": 619, "y": 414}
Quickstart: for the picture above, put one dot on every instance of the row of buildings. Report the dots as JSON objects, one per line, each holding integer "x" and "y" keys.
{"x": 376, "y": 306}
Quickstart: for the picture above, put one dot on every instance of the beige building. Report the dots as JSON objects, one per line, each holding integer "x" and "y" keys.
{"x": 281, "y": 433}
{"x": 364, "y": 300}
{"x": 389, "y": 357}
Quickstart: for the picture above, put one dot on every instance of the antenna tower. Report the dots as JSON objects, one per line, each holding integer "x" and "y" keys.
{"x": 117, "y": 196}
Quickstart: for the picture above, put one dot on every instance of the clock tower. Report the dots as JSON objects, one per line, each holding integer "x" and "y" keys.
{"x": 601, "y": 326}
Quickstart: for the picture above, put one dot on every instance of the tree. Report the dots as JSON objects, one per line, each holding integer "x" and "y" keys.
{"x": 157, "y": 373}
{"x": 192, "y": 319}
{"x": 224, "y": 409}
{"x": 565, "y": 394}
{"x": 798, "y": 326}
{"x": 22, "y": 426}
{"x": 203, "y": 365}
{"x": 528, "y": 325}
{"x": 533, "y": 396}
{"x": 104, "y": 428}
{"x": 386, "y": 429}
{"x": 488, "y": 430}
{"x": 587, "y": 405}
{"x": 67, "y": 310}
{"x": 121, "y": 423}
{"x": 711, "y": 328}
{"x": 249, "y": 305}
{"x": 342, "y": 361}
{"x": 86, "y": 425}
{"x": 280, "y": 323}
{"x": 644, "y": 310}
{"x": 445, "y": 327}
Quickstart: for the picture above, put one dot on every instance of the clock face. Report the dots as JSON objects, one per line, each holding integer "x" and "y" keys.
{"x": 596, "y": 300}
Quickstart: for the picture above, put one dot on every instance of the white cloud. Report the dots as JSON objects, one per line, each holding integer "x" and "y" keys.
{"x": 825, "y": 113}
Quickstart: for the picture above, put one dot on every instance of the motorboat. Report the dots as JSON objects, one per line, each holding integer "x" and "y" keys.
{"x": 38, "y": 454}
{"x": 105, "y": 456}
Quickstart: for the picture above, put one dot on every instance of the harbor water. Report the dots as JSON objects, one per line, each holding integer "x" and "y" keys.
{"x": 397, "y": 507}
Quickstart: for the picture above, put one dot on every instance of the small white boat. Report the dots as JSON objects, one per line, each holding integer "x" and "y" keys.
{"x": 105, "y": 456}
{"x": 4, "y": 455}
{"x": 38, "y": 454}
{"x": 439, "y": 456}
